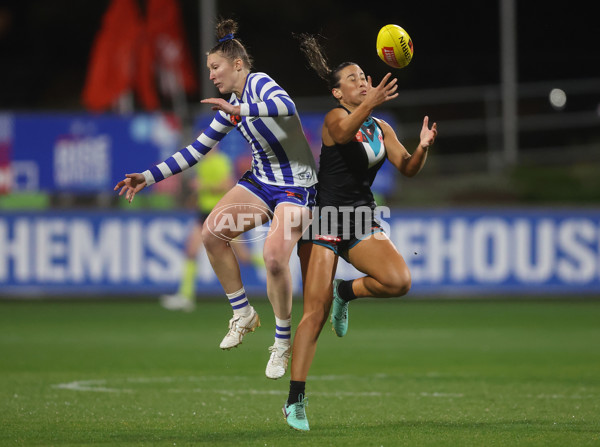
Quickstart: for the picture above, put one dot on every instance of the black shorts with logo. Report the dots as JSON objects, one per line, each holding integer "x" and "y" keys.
{"x": 341, "y": 228}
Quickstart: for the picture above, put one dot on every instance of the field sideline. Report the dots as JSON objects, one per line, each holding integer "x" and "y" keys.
{"x": 411, "y": 373}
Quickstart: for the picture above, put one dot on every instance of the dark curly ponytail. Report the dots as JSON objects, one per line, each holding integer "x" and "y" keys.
{"x": 317, "y": 60}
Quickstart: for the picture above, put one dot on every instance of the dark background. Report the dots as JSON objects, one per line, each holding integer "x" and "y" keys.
{"x": 45, "y": 44}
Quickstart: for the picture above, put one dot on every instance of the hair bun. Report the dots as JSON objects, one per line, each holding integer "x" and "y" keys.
{"x": 225, "y": 28}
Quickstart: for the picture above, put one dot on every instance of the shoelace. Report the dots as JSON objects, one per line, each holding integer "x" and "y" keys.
{"x": 274, "y": 349}
{"x": 344, "y": 306}
{"x": 300, "y": 413}
{"x": 233, "y": 325}
{"x": 236, "y": 328}
{"x": 345, "y": 311}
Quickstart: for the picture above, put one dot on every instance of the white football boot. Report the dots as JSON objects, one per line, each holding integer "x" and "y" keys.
{"x": 278, "y": 362}
{"x": 238, "y": 327}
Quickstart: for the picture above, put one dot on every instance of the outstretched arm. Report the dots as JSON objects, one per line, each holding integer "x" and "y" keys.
{"x": 222, "y": 105}
{"x": 180, "y": 161}
{"x": 274, "y": 100}
{"x": 408, "y": 164}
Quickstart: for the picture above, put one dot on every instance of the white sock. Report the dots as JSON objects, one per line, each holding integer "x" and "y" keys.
{"x": 239, "y": 302}
{"x": 283, "y": 331}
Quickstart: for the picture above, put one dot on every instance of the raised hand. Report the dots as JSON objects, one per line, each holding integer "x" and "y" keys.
{"x": 385, "y": 91}
{"x": 131, "y": 185}
{"x": 428, "y": 135}
{"x": 221, "y": 104}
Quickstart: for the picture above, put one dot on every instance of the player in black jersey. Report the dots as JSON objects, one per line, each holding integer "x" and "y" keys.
{"x": 355, "y": 145}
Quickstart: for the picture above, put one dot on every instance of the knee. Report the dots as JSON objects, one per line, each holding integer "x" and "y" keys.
{"x": 397, "y": 283}
{"x": 275, "y": 262}
{"x": 210, "y": 240}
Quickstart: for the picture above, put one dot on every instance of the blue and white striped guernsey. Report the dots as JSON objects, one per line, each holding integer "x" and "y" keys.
{"x": 269, "y": 122}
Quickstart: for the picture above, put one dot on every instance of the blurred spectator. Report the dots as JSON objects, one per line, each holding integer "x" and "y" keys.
{"x": 214, "y": 177}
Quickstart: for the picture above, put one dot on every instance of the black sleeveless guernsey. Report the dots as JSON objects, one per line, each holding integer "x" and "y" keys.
{"x": 347, "y": 171}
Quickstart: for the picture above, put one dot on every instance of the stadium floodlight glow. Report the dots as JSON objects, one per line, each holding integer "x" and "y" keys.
{"x": 558, "y": 98}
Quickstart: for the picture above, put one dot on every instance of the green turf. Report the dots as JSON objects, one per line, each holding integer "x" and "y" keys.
{"x": 410, "y": 373}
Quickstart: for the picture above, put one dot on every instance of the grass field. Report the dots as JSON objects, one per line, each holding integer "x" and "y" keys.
{"x": 410, "y": 373}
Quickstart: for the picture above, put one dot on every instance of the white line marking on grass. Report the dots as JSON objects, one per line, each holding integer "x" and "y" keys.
{"x": 436, "y": 394}
{"x": 232, "y": 393}
{"x": 89, "y": 385}
{"x": 354, "y": 377}
{"x": 562, "y": 396}
{"x": 170, "y": 379}
{"x": 281, "y": 393}
{"x": 99, "y": 386}
{"x": 353, "y": 394}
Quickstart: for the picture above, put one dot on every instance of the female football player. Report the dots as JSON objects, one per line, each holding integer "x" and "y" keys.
{"x": 280, "y": 186}
{"x": 355, "y": 145}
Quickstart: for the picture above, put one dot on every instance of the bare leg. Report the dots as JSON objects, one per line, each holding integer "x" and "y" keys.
{"x": 387, "y": 273}
{"x": 288, "y": 225}
{"x": 242, "y": 209}
{"x": 318, "y": 270}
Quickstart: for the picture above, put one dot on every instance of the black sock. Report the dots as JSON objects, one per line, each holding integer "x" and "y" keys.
{"x": 296, "y": 388}
{"x": 345, "y": 291}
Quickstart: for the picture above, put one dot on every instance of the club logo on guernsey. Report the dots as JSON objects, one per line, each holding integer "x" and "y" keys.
{"x": 235, "y": 119}
{"x": 371, "y": 138}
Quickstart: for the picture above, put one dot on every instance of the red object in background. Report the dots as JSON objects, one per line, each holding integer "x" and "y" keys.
{"x": 6, "y": 145}
{"x": 144, "y": 82}
{"x": 113, "y": 57}
{"x": 5, "y": 172}
{"x": 130, "y": 51}
{"x": 165, "y": 31}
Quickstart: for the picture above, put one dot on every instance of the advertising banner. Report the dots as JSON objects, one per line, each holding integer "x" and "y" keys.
{"x": 454, "y": 252}
{"x": 87, "y": 153}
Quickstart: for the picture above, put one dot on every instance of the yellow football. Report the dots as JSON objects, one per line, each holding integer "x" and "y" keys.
{"x": 394, "y": 46}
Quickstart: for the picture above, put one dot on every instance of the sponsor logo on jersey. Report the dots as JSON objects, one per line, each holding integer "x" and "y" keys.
{"x": 295, "y": 195}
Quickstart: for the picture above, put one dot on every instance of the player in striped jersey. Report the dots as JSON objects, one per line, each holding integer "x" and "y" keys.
{"x": 280, "y": 186}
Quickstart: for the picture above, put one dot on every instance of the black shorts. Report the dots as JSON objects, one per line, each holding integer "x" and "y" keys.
{"x": 342, "y": 228}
